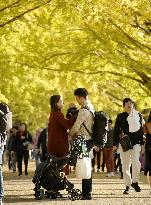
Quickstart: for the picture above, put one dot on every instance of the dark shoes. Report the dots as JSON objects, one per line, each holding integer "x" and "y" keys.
{"x": 136, "y": 187}
{"x": 26, "y": 173}
{"x": 86, "y": 197}
{"x": 126, "y": 190}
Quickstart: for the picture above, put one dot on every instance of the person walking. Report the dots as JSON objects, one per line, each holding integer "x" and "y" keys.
{"x": 21, "y": 147}
{"x": 42, "y": 144}
{"x": 11, "y": 148}
{"x": 129, "y": 130}
{"x": 36, "y": 154}
{"x": 86, "y": 116}
{"x": 108, "y": 151}
{"x": 96, "y": 158}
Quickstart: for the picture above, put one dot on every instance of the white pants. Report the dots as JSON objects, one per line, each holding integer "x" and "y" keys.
{"x": 127, "y": 158}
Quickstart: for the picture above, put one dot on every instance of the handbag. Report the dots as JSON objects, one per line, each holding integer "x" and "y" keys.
{"x": 30, "y": 146}
{"x": 125, "y": 142}
{"x": 83, "y": 168}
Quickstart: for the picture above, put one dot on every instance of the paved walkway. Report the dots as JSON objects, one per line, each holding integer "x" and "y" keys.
{"x": 19, "y": 191}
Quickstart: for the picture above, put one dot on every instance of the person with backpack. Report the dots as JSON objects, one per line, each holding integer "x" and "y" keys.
{"x": 5, "y": 125}
{"x": 83, "y": 126}
{"x": 147, "y": 166}
{"x": 128, "y": 135}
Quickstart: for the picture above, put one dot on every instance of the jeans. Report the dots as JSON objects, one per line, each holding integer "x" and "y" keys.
{"x": 13, "y": 161}
{"x": 1, "y": 183}
{"x": 98, "y": 155}
{"x": 20, "y": 155}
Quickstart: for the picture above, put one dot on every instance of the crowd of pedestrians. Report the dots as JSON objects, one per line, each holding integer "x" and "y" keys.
{"x": 56, "y": 139}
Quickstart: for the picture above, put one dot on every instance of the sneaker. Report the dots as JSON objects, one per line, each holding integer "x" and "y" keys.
{"x": 19, "y": 174}
{"x": 108, "y": 175}
{"x": 126, "y": 191}
{"x": 112, "y": 174}
{"x": 136, "y": 187}
{"x": 12, "y": 170}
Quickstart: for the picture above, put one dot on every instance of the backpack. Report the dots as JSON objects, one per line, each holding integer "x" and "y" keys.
{"x": 3, "y": 119}
{"x": 100, "y": 128}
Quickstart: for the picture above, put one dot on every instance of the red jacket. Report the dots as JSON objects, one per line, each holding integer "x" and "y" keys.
{"x": 57, "y": 134}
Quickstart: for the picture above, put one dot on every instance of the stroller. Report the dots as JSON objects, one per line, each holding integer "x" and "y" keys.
{"x": 49, "y": 178}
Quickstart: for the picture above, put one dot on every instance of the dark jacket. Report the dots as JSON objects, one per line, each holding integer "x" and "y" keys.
{"x": 121, "y": 124}
{"x": 19, "y": 143}
{"x": 11, "y": 143}
{"x": 42, "y": 142}
{"x": 109, "y": 142}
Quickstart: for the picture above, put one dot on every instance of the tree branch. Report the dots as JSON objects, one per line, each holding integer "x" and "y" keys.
{"x": 22, "y": 14}
{"x": 9, "y": 6}
{"x": 135, "y": 42}
{"x": 147, "y": 32}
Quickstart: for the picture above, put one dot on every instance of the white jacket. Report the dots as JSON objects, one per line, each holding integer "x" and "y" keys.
{"x": 84, "y": 116}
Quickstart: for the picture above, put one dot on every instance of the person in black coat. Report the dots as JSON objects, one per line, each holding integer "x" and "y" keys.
{"x": 129, "y": 125}
{"x": 21, "y": 147}
{"x": 42, "y": 143}
{"x": 11, "y": 152}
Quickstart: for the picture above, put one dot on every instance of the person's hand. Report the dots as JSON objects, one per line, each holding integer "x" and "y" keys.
{"x": 22, "y": 137}
{"x": 142, "y": 150}
{"x": 25, "y": 143}
{"x": 38, "y": 151}
{"x": 114, "y": 148}
{"x": 96, "y": 148}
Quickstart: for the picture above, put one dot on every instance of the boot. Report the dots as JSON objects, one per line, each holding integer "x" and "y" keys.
{"x": 86, "y": 189}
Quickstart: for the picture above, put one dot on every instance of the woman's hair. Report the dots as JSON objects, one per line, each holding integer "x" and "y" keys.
{"x": 22, "y": 123}
{"x": 54, "y": 99}
{"x": 149, "y": 119}
{"x": 25, "y": 132}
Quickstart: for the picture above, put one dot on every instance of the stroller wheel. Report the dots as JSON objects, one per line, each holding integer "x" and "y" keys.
{"x": 75, "y": 194}
{"x": 39, "y": 194}
{"x": 48, "y": 194}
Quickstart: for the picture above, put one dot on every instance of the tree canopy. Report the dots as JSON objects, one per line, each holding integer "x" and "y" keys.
{"x": 54, "y": 46}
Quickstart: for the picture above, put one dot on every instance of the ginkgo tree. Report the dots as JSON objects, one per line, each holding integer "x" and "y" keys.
{"x": 55, "y": 46}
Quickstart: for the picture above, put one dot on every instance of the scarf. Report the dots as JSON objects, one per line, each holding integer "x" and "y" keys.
{"x": 134, "y": 121}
